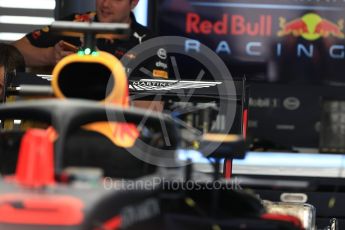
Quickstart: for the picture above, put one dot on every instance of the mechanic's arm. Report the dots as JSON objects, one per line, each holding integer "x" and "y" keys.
{"x": 35, "y": 56}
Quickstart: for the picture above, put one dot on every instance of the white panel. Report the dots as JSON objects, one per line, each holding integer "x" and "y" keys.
{"x": 28, "y": 4}
{"x": 141, "y": 12}
{"x": 25, "y": 20}
{"x": 11, "y": 36}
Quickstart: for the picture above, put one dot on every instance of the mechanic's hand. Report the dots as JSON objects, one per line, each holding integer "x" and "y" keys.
{"x": 61, "y": 51}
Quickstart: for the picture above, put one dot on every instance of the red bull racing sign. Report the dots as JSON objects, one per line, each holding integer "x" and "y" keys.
{"x": 254, "y": 31}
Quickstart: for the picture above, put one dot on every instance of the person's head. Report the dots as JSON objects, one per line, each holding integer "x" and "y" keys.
{"x": 10, "y": 60}
{"x": 117, "y": 11}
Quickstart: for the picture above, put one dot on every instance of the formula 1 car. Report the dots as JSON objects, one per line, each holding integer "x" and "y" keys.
{"x": 40, "y": 190}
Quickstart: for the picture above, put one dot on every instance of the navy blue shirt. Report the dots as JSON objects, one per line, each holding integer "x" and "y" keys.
{"x": 118, "y": 47}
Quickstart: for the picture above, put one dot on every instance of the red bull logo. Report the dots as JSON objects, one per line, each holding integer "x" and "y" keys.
{"x": 311, "y": 27}
{"x": 236, "y": 25}
{"x": 257, "y": 28}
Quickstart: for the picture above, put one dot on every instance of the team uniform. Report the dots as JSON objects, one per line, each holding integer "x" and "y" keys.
{"x": 118, "y": 47}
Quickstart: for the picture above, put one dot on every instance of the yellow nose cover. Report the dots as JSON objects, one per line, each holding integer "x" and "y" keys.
{"x": 98, "y": 76}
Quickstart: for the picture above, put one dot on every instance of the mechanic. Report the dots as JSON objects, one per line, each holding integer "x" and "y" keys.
{"x": 43, "y": 48}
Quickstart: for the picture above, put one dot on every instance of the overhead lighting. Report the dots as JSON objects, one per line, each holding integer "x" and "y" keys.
{"x": 26, "y": 4}
{"x": 17, "y": 122}
{"x": 11, "y": 36}
{"x": 26, "y": 20}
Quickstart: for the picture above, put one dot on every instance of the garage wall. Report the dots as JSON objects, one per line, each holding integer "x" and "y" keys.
{"x": 18, "y": 17}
